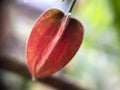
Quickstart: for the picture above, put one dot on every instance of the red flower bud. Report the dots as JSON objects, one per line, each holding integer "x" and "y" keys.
{"x": 53, "y": 42}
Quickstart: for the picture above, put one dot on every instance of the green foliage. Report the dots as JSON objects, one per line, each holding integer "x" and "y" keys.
{"x": 115, "y": 4}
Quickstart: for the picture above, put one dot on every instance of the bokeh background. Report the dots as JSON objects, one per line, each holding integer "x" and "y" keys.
{"x": 96, "y": 65}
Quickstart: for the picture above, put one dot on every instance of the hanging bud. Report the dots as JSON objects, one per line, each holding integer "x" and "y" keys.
{"x": 53, "y": 42}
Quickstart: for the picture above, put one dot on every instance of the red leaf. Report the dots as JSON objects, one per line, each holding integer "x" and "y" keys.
{"x": 53, "y": 42}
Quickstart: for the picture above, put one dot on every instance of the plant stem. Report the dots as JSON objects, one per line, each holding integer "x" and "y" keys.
{"x": 71, "y": 6}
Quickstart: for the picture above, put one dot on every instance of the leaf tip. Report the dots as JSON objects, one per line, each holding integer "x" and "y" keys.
{"x": 33, "y": 79}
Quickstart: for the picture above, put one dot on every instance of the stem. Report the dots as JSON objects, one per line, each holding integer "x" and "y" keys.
{"x": 71, "y": 6}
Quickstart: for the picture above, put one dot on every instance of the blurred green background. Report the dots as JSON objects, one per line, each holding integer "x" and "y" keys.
{"x": 96, "y": 65}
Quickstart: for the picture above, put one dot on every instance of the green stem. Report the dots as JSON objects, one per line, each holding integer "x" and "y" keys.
{"x": 71, "y": 6}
